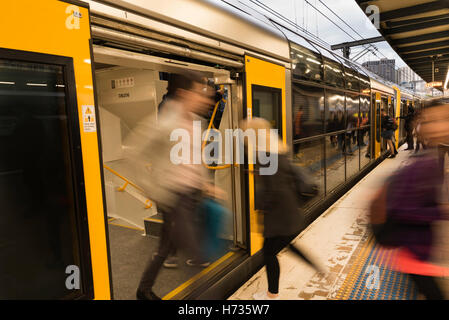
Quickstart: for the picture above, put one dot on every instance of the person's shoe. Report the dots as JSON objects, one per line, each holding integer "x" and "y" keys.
{"x": 194, "y": 263}
{"x": 408, "y": 149}
{"x": 367, "y": 155}
{"x": 146, "y": 295}
{"x": 392, "y": 156}
{"x": 263, "y": 296}
{"x": 396, "y": 152}
{"x": 171, "y": 262}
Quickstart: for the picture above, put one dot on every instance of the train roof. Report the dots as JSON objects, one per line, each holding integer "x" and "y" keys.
{"x": 221, "y": 20}
{"x": 231, "y": 22}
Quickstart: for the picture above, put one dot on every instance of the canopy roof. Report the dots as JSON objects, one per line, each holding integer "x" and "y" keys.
{"x": 418, "y": 30}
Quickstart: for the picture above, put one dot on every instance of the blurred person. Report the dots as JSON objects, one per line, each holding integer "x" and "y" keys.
{"x": 298, "y": 132}
{"x": 417, "y": 133}
{"x": 388, "y": 128}
{"x": 413, "y": 207}
{"x": 443, "y": 149}
{"x": 176, "y": 188}
{"x": 277, "y": 199}
{"x": 408, "y": 126}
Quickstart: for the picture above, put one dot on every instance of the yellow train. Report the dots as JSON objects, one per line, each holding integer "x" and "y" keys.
{"x": 75, "y": 76}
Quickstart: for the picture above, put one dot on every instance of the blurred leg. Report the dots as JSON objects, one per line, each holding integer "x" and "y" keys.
{"x": 155, "y": 262}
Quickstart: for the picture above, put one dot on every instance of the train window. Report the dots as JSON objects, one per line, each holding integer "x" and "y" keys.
{"x": 267, "y": 104}
{"x": 352, "y": 79}
{"x": 335, "y": 111}
{"x": 352, "y": 111}
{"x": 306, "y": 64}
{"x": 333, "y": 73}
{"x": 351, "y": 143}
{"x": 308, "y": 111}
{"x": 310, "y": 154}
{"x": 38, "y": 224}
{"x": 365, "y": 84}
{"x": 335, "y": 161}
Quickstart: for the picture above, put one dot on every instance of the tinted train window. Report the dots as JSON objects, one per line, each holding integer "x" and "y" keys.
{"x": 38, "y": 237}
{"x": 308, "y": 111}
{"x": 310, "y": 155}
{"x": 333, "y": 73}
{"x": 352, "y": 79}
{"x": 335, "y": 111}
{"x": 306, "y": 64}
{"x": 352, "y": 111}
{"x": 365, "y": 111}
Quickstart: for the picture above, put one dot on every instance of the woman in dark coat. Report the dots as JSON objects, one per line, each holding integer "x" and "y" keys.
{"x": 277, "y": 199}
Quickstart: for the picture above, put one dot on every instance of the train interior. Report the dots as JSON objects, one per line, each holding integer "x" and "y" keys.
{"x": 127, "y": 93}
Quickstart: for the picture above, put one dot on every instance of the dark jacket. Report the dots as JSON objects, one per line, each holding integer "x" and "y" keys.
{"x": 409, "y": 118}
{"x": 387, "y": 123}
{"x": 412, "y": 204}
{"x": 277, "y": 199}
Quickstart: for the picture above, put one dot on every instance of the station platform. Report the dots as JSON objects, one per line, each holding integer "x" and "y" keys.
{"x": 342, "y": 243}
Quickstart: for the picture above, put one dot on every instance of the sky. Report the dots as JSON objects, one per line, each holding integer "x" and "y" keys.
{"x": 307, "y": 17}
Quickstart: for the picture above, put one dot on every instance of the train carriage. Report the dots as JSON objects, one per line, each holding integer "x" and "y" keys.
{"x": 76, "y": 83}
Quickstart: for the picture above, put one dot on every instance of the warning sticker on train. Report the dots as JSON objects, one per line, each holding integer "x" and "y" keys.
{"x": 89, "y": 123}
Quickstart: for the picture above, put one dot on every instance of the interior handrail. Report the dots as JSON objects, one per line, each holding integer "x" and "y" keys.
{"x": 207, "y": 135}
{"x": 148, "y": 203}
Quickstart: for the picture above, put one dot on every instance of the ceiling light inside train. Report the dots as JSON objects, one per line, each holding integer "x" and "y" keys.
{"x": 37, "y": 84}
{"x": 7, "y": 82}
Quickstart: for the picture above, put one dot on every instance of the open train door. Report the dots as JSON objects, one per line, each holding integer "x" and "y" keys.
{"x": 265, "y": 98}
{"x": 52, "y": 222}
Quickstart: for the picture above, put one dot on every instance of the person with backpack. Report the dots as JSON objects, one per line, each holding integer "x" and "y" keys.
{"x": 277, "y": 198}
{"x": 389, "y": 126}
{"x": 176, "y": 187}
{"x": 408, "y": 126}
{"x": 404, "y": 211}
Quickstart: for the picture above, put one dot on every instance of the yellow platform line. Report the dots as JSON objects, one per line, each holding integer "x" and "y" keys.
{"x": 189, "y": 282}
{"x": 348, "y": 284}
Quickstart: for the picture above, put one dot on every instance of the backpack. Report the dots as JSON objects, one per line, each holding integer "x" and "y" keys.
{"x": 381, "y": 225}
{"x": 390, "y": 123}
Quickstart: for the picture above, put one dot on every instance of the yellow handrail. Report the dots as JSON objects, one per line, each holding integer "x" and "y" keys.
{"x": 207, "y": 135}
{"x": 127, "y": 182}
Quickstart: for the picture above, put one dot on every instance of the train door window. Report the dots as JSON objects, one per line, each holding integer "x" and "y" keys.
{"x": 383, "y": 106}
{"x": 41, "y": 211}
{"x": 364, "y": 133}
{"x": 267, "y": 104}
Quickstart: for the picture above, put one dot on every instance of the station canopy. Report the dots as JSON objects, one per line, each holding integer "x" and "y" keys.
{"x": 418, "y": 30}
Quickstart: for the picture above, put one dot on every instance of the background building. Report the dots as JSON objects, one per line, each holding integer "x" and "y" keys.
{"x": 384, "y": 68}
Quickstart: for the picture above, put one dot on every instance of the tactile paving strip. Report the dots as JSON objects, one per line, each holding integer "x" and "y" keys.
{"x": 370, "y": 279}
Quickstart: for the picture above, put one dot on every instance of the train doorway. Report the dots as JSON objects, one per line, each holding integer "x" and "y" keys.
{"x": 130, "y": 87}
